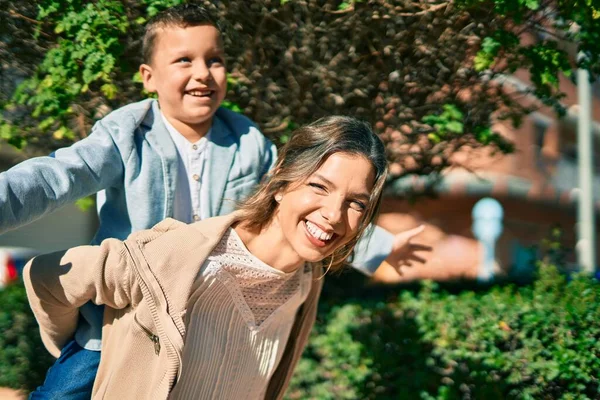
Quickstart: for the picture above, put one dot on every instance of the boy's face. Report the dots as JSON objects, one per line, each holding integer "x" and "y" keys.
{"x": 188, "y": 73}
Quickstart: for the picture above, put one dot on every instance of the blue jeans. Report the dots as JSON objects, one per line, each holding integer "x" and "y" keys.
{"x": 72, "y": 375}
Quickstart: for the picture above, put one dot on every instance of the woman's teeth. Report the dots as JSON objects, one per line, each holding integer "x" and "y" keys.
{"x": 317, "y": 232}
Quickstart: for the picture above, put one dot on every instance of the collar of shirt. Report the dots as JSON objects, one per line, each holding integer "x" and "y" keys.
{"x": 184, "y": 146}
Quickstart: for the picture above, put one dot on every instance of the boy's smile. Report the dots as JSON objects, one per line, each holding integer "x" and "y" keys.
{"x": 188, "y": 73}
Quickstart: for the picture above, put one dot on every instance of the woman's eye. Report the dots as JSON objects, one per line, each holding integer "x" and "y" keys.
{"x": 317, "y": 186}
{"x": 358, "y": 205}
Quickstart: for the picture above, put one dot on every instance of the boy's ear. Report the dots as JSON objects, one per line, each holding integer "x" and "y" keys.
{"x": 147, "y": 78}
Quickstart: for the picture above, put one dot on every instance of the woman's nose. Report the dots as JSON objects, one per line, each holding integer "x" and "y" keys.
{"x": 332, "y": 212}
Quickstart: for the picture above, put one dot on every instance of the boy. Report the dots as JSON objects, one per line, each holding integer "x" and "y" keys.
{"x": 181, "y": 156}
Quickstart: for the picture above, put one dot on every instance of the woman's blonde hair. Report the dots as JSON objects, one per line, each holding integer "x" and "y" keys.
{"x": 302, "y": 155}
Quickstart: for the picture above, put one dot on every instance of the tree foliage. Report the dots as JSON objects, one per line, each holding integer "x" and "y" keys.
{"x": 428, "y": 75}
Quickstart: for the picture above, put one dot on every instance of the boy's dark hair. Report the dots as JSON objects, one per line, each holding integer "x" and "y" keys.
{"x": 183, "y": 16}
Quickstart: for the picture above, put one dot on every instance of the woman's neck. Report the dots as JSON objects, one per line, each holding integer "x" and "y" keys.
{"x": 270, "y": 246}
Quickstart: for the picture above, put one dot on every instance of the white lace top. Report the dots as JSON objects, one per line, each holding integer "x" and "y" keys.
{"x": 238, "y": 321}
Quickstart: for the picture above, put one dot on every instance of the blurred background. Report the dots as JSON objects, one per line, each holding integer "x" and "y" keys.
{"x": 490, "y": 111}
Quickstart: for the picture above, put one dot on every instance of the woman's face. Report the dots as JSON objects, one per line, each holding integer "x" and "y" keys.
{"x": 325, "y": 212}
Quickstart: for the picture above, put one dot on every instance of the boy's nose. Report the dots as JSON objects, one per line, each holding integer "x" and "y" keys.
{"x": 201, "y": 73}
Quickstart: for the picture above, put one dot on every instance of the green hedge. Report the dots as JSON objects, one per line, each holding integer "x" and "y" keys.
{"x": 23, "y": 358}
{"x": 540, "y": 341}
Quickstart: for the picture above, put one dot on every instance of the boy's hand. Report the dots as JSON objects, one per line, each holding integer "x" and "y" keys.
{"x": 404, "y": 253}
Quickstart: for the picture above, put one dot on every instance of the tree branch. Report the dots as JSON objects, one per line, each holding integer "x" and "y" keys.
{"x": 426, "y": 11}
{"x": 26, "y": 18}
{"x": 21, "y": 16}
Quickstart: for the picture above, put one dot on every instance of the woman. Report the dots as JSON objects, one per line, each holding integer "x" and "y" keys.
{"x": 222, "y": 308}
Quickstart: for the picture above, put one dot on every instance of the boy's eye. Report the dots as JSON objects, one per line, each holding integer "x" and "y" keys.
{"x": 215, "y": 60}
{"x": 184, "y": 60}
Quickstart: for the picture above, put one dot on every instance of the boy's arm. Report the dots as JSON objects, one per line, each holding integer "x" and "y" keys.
{"x": 397, "y": 250}
{"x": 372, "y": 249}
{"x": 57, "y": 284}
{"x": 40, "y": 185}
{"x": 270, "y": 157}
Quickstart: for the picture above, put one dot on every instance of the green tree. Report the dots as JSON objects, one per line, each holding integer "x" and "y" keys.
{"x": 427, "y": 75}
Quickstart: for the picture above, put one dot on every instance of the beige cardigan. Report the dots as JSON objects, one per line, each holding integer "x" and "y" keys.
{"x": 145, "y": 283}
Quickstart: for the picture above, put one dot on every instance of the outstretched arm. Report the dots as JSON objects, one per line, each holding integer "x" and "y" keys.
{"x": 59, "y": 283}
{"x": 40, "y": 185}
{"x": 397, "y": 250}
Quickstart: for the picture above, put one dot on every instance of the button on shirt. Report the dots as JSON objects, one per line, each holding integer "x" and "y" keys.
{"x": 189, "y": 203}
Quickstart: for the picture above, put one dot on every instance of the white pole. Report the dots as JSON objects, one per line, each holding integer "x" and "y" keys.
{"x": 586, "y": 240}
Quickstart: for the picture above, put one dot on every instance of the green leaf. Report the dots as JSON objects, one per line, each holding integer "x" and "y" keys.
{"x": 283, "y": 139}
{"x": 17, "y": 141}
{"x": 432, "y": 119}
{"x": 137, "y": 77}
{"x": 109, "y": 90}
{"x": 231, "y": 81}
{"x": 452, "y": 112}
{"x": 548, "y": 78}
{"x": 231, "y": 106}
{"x": 482, "y": 61}
{"x": 490, "y": 45}
{"x": 6, "y": 131}
{"x": 455, "y": 127}
{"x": 152, "y": 11}
{"x": 532, "y": 4}
{"x": 46, "y": 123}
{"x": 483, "y": 135}
{"x": 60, "y": 133}
{"x": 85, "y": 203}
{"x": 434, "y": 138}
